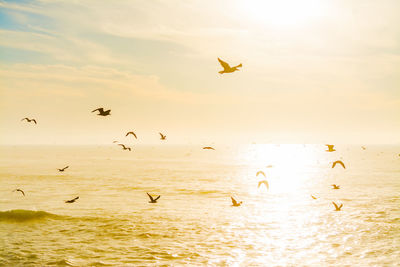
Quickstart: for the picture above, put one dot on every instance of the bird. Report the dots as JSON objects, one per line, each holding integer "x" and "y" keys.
{"x": 153, "y": 200}
{"x": 63, "y": 169}
{"x": 263, "y": 182}
{"x": 102, "y": 112}
{"x": 313, "y": 197}
{"x": 235, "y": 203}
{"x": 20, "y": 190}
{"x": 208, "y": 147}
{"x": 335, "y": 186}
{"x": 72, "y": 200}
{"x": 132, "y": 133}
{"x": 330, "y": 148}
{"x": 29, "y": 120}
{"x": 337, "y": 208}
{"x": 125, "y": 147}
{"x": 163, "y": 137}
{"x": 261, "y": 172}
{"x": 338, "y": 162}
{"x": 363, "y": 148}
{"x": 227, "y": 68}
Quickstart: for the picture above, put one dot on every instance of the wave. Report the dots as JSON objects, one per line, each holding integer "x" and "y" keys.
{"x": 26, "y": 215}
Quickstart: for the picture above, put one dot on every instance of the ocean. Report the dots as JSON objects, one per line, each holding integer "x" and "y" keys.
{"x": 194, "y": 222}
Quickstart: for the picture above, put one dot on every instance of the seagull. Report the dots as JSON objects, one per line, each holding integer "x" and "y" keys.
{"x": 330, "y": 148}
{"x": 29, "y": 120}
{"x": 208, "y": 147}
{"x": 261, "y": 172}
{"x": 363, "y": 148}
{"x": 235, "y": 203}
{"x": 337, "y": 208}
{"x": 313, "y": 197}
{"x": 153, "y": 200}
{"x": 263, "y": 182}
{"x": 125, "y": 147}
{"x": 63, "y": 169}
{"x": 132, "y": 133}
{"x": 338, "y": 162}
{"x": 102, "y": 112}
{"x": 227, "y": 68}
{"x": 163, "y": 137}
{"x": 72, "y": 200}
{"x": 20, "y": 190}
{"x": 335, "y": 186}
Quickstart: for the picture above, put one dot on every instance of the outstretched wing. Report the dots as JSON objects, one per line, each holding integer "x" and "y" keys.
{"x": 99, "y": 109}
{"x": 341, "y": 163}
{"x": 261, "y": 172}
{"x": 34, "y": 121}
{"x": 224, "y": 64}
{"x": 263, "y": 182}
{"x": 341, "y": 205}
{"x": 25, "y": 119}
{"x": 162, "y": 136}
{"x": 336, "y": 206}
{"x": 157, "y": 198}
{"x": 234, "y": 202}
{"x": 122, "y": 145}
{"x": 76, "y": 198}
{"x": 151, "y": 198}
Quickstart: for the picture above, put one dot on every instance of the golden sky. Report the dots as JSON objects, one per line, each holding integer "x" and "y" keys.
{"x": 313, "y": 71}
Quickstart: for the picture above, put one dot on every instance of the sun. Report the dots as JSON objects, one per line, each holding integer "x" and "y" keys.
{"x": 283, "y": 12}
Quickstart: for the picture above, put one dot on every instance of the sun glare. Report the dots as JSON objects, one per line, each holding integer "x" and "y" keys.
{"x": 283, "y": 12}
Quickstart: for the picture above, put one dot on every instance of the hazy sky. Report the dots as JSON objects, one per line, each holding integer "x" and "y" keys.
{"x": 313, "y": 71}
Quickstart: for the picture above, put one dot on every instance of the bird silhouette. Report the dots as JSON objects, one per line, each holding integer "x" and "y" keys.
{"x": 132, "y": 133}
{"x": 261, "y": 172}
{"x": 363, "y": 148}
{"x": 227, "y": 68}
{"x": 153, "y": 200}
{"x": 208, "y": 147}
{"x": 163, "y": 137}
{"x": 338, "y": 162}
{"x": 335, "y": 186}
{"x": 235, "y": 203}
{"x": 19, "y": 190}
{"x": 102, "y": 112}
{"x": 263, "y": 182}
{"x": 330, "y": 148}
{"x": 125, "y": 147}
{"x": 313, "y": 197}
{"x": 29, "y": 120}
{"x": 337, "y": 208}
{"x": 63, "y": 169}
{"x": 72, "y": 200}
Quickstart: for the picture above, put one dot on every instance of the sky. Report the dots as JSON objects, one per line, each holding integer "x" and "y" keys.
{"x": 314, "y": 71}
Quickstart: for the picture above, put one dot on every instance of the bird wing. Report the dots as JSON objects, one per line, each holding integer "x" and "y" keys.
{"x": 25, "y": 119}
{"x": 263, "y": 182}
{"x": 122, "y": 145}
{"x": 341, "y": 205}
{"x": 151, "y": 198}
{"x": 20, "y": 191}
{"x": 66, "y": 167}
{"x": 98, "y": 109}
{"x": 239, "y": 66}
{"x": 260, "y": 172}
{"x": 334, "y": 164}
{"x": 224, "y": 64}
{"x": 34, "y": 121}
{"x": 341, "y": 163}
{"x": 128, "y": 133}
{"x": 234, "y": 202}
{"x": 134, "y": 135}
{"x": 76, "y": 198}
{"x": 336, "y": 206}
{"x": 157, "y": 198}
{"x": 161, "y": 134}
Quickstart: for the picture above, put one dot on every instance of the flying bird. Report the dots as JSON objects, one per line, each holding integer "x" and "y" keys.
{"x": 363, "y": 148}
{"x": 338, "y": 162}
{"x": 29, "y": 120}
{"x": 263, "y": 182}
{"x": 132, "y": 133}
{"x": 261, "y": 172}
{"x": 235, "y": 203}
{"x": 102, "y": 112}
{"x": 227, "y": 68}
{"x": 337, "y": 208}
{"x": 335, "y": 186}
{"x": 330, "y": 148}
{"x": 125, "y": 147}
{"x": 163, "y": 137}
{"x": 19, "y": 190}
{"x": 63, "y": 169}
{"x": 208, "y": 147}
{"x": 153, "y": 200}
{"x": 72, "y": 200}
{"x": 313, "y": 197}
{"x": 115, "y": 141}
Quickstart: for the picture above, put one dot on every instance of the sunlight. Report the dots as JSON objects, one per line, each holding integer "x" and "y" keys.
{"x": 284, "y": 12}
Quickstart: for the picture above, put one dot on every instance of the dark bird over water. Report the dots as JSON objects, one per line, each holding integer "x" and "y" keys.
{"x": 125, "y": 147}
{"x": 163, "y": 137}
{"x": 208, "y": 147}
{"x": 72, "y": 200}
{"x": 338, "y": 162}
{"x": 132, "y": 133}
{"x": 29, "y": 120}
{"x": 227, "y": 68}
{"x": 19, "y": 190}
{"x": 335, "y": 186}
{"x": 102, "y": 112}
{"x": 235, "y": 203}
{"x": 330, "y": 148}
{"x": 263, "y": 182}
{"x": 153, "y": 200}
{"x": 337, "y": 208}
{"x": 63, "y": 169}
